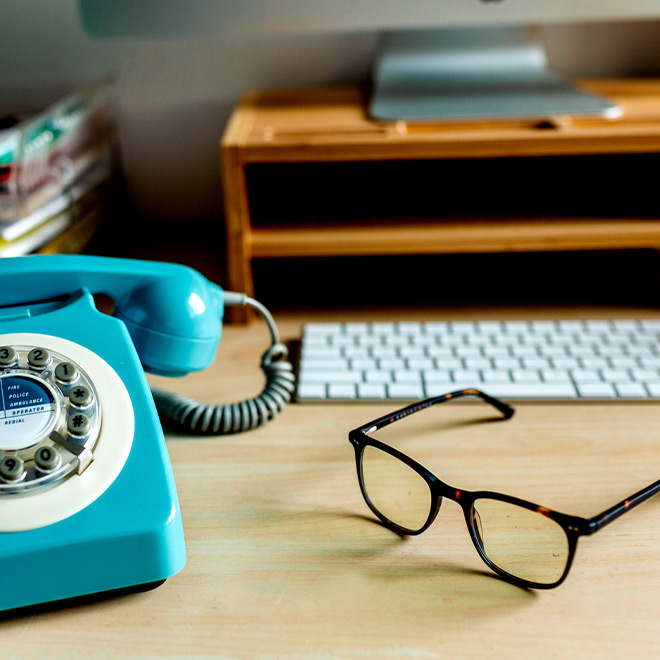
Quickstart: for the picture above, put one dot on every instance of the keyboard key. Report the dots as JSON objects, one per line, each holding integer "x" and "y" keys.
{"x": 449, "y": 363}
{"x": 616, "y": 354}
{"x": 555, "y": 376}
{"x": 440, "y": 352}
{"x": 535, "y": 363}
{"x": 525, "y": 351}
{"x": 467, "y": 384}
{"x": 391, "y": 363}
{"x": 366, "y": 341}
{"x": 531, "y": 390}
{"x": 356, "y": 351}
{"x": 321, "y": 329}
{"x": 419, "y": 364}
{"x": 405, "y": 391}
{"x": 489, "y": 326}
{"x": 378, "y": 376}
{"x": 410, "y": 328}
{"x": 311, "y": 391}
{"x": 396, "y": 340}
{"x": 463, "y": 375}
{"x": 543, "y": 326}
{"x": 594, "y": 363}
{"x": 363, "y": 364}
{"x": 384, "y": 328}
{"x": 371, "y": 391}
{"x": 585, "y": 376}
{"x": 632, "y": 390}
{"x": 320, "y": 352}
{"x": 570, "y": 326}
{"x": 478, "y": 363}
{"x": 640, "y": 352}
{"x": 331, "y": 376}
{"x": 623, "y": 363}
{"x": 516, "y": 326}
{"x": 602, "y": 326}
{"x": 645, "y": 375}
{"x": 496, "y": 376}
{"x": 461, "y": 327}
{"x": 507, "y": 363}
{"x": 384, "y": 352}
{"x": 438, "y": 388}
{"x": 403, "y": 376}
{"x": 615, "y": 375}
{"x": 471, "y": 352}
{"x": 319, "y": 364}
{"x": 356, "y": 328}
{"x": 435, "y": 375}
{"x": 520, "y": 376}
{"x": 411, "y": 351}
{"x": 496, "y": 352}
{"x": 341, "y": 391}
{"x": 596, "y": 390}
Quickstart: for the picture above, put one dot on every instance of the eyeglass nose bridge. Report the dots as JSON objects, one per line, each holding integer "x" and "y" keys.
{"x": 465, "y": 500}
{"x": 439, "y": 491}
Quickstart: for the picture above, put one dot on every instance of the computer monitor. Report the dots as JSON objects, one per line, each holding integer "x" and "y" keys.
{"x": 439, "y": 59}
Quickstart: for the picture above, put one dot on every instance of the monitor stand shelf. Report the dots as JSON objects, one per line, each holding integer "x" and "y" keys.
{"x": 306, "y": 173}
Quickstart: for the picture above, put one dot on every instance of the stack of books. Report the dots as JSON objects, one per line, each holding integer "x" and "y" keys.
{"x": 56, "y": 170}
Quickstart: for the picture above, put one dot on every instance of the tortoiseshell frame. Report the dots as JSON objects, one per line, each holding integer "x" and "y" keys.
{"x": 573, "y": 526}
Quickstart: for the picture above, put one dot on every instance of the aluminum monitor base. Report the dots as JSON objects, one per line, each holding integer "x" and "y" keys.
{"x": 464, "y": 74}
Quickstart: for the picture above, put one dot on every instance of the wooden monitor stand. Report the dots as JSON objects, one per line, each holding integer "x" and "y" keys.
{"x": 306, "y": 173}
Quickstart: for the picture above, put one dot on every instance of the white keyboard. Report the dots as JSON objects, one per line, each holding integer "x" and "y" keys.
{"x": 516, "y": 360}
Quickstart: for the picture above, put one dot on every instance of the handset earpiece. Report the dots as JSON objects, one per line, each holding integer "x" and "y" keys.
{"x": 174, "y": 321}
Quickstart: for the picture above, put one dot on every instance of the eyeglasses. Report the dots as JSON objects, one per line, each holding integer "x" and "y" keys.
{"x": 524, "y": 543}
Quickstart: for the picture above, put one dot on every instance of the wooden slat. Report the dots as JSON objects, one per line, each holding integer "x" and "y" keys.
{"x": 323, "y": 125}
{"x": 453, "y": 237}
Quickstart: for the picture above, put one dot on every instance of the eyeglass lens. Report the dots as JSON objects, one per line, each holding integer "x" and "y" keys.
{"x": 519, "y": 541}
{"x": 396, "y": 491}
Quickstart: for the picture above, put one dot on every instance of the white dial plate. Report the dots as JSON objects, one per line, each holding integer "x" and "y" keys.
{"x": 45, "y": 506}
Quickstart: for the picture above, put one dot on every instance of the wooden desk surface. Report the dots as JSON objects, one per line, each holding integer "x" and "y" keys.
{"x": 285, "y": 561}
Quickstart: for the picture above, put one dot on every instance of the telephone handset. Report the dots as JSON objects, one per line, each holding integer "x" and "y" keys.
{"x": 84, "y": 470}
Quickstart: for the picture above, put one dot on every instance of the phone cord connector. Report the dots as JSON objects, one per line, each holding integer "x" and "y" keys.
{"x": 219, "y": 419}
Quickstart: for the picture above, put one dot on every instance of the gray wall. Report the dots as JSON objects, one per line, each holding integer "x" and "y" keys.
{"x": 176, "y": 93}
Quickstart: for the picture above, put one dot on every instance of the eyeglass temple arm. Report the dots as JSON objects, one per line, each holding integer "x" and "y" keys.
{"x": 602, "y": 519}
{"x": 506, "y": 410}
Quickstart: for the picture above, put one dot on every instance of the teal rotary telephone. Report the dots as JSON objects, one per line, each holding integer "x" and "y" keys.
{"x": 87, "y": 497}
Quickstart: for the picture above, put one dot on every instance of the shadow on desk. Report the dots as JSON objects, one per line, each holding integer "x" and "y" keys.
{"x": 394, "y": 564}
{"x": 424, "y": 570}
{"x": 68, "y": 604}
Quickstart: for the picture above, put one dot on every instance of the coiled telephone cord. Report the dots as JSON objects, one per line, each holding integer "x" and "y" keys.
{"x": 219, "y": 419}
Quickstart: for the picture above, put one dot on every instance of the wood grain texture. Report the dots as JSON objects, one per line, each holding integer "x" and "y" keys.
{"x": 331, "y": 124}
{"x": 285, "y": 560}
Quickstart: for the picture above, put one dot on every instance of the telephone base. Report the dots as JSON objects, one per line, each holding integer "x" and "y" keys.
{"x": 112, "y": 523}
